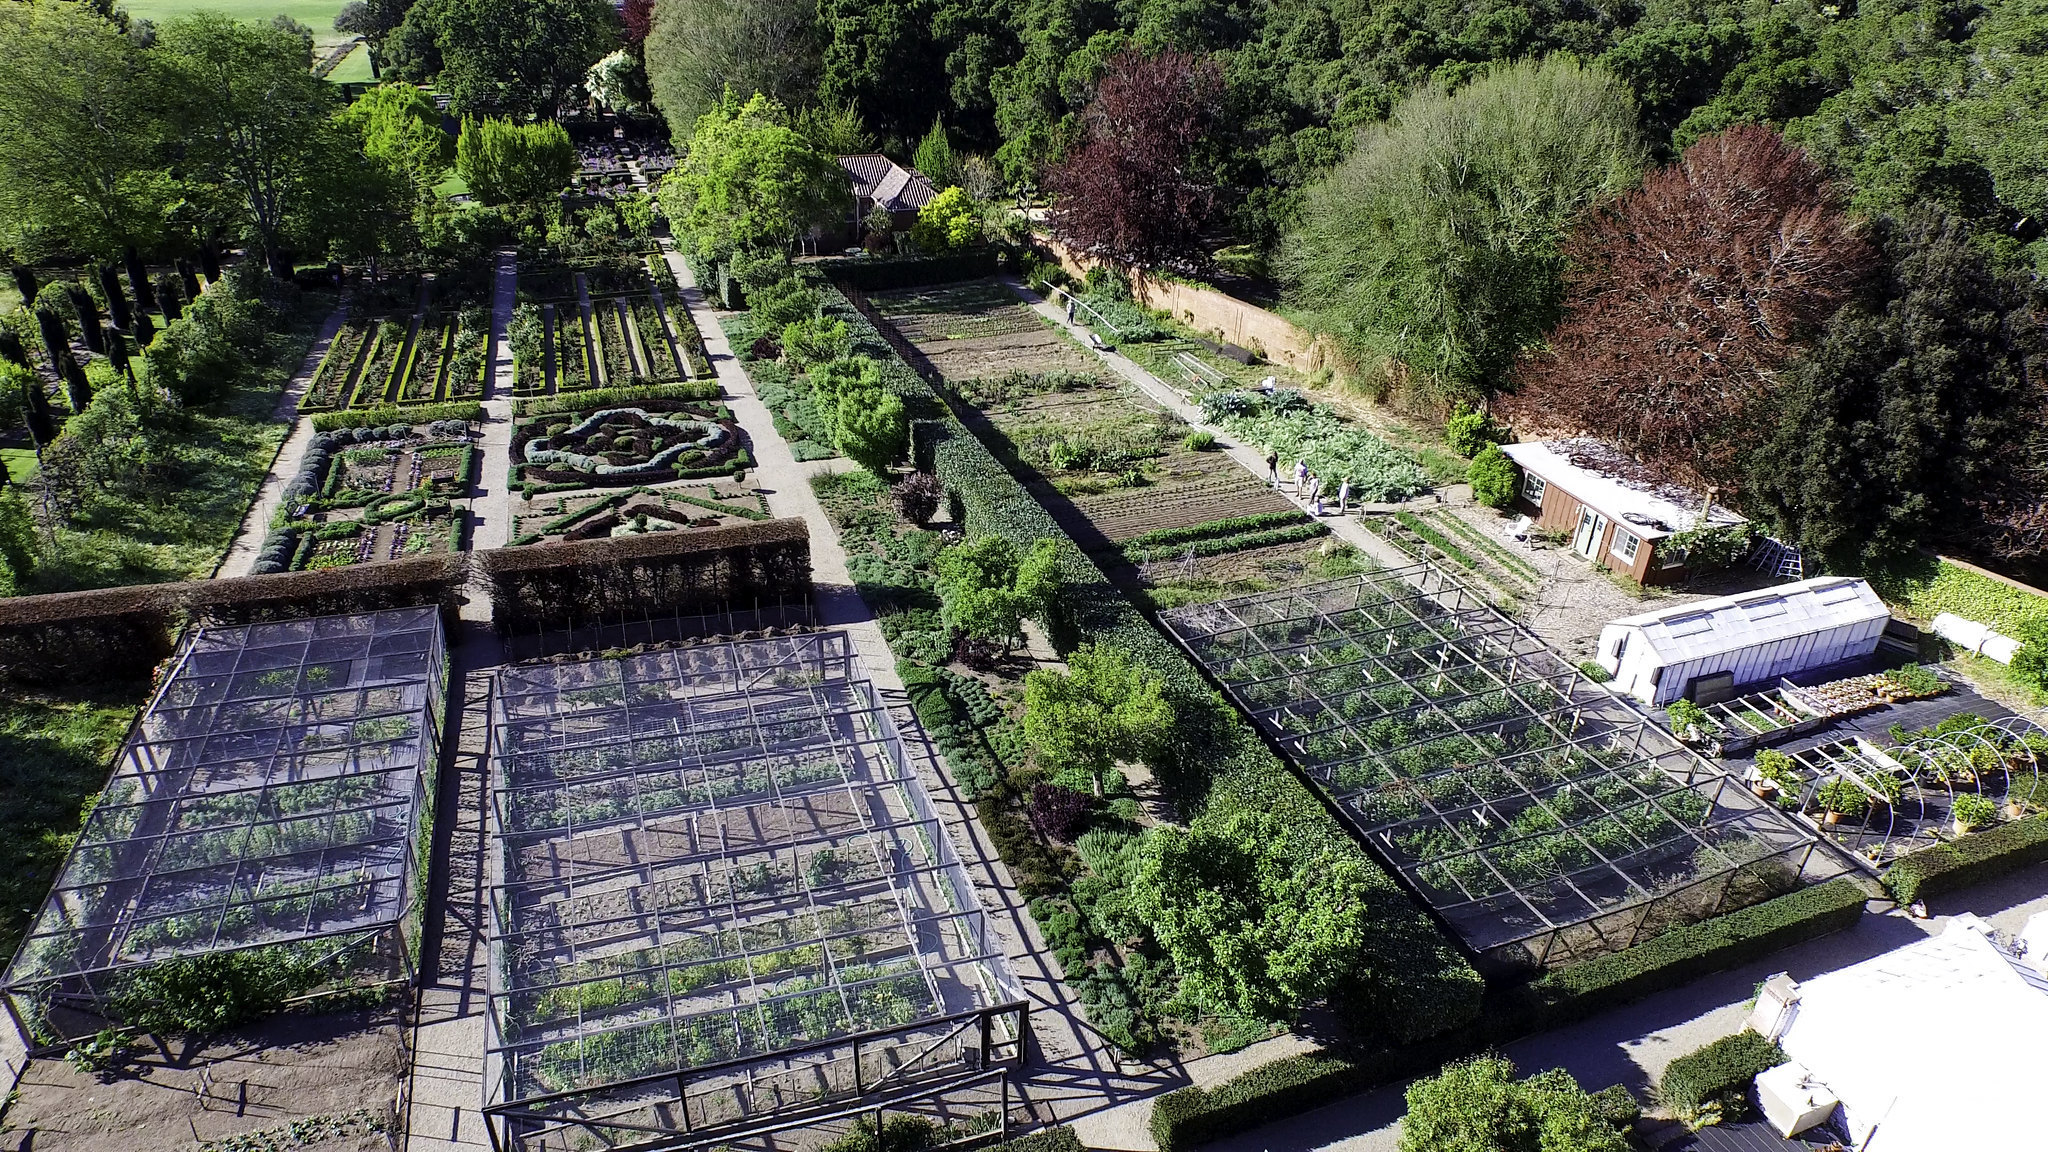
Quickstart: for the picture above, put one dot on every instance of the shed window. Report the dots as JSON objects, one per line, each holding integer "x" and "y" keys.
{"x": 1625, "y": 544}
{"x": 1533, "y": 488}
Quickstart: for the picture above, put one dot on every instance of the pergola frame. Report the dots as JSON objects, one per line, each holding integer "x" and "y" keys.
{"x": 1462, "y": 749}
{"x": 721, "y": 899}
{"x": 276, "y": 791}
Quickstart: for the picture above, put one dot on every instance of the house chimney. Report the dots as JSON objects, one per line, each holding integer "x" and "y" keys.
{"x": 1706, "y": 506}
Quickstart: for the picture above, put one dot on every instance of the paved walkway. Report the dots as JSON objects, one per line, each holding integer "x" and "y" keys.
{"x": 241, "y": 555}
{"x": 1249, "y": 456}
{"x": 490, "y": 502}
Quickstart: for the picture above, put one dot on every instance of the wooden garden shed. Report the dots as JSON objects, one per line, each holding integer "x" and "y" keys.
{"x": 1616, "y": 512}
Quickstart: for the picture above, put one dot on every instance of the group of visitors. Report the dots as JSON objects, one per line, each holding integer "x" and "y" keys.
{"x": 1309, "y": 487}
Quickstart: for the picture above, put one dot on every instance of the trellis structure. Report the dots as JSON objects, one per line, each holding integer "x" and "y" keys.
{"x": 1540, "y": 816}
{"x": 1910, "y": 790}
{"x": 277, "y": 792}
{"x": 723, "y": 903}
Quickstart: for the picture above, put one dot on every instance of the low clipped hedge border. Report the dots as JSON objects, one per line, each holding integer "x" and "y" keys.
{"x": 1221, "y": 545}
{"x": 1232, "y": 526}
{"x": 1720, "y": 1070}
{"x": 471, "y": 411}
{"x": 611, "y": 397}
{"x": 1193, "y": 1116}
{"x": 1975, "y": 858}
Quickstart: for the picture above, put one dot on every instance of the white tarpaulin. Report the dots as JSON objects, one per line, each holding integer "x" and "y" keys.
{"x": 1940, "y": 1046}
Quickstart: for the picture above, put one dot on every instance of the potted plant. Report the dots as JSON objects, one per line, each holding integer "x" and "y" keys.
{"x": 1774, "y": 773}
{"x": 1971, "y": 811}
{"x": 1838, "y": 798}
{"x": 1689, "y": 721}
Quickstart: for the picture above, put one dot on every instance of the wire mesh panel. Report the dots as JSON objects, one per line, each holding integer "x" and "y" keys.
{"x": 272, "y": 793}
{"x": 722, "y": 894}
{"x": 1542, "y": 817}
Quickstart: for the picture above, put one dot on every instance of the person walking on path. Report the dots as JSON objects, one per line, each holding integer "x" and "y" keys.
{"x": 1300, "y": 475}
{"x": 1344, "y": 497}
{"x": 1273, "y": 468}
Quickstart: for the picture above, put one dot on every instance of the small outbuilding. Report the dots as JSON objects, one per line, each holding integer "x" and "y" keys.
{"x": 1931, "y": 1047}
{"x": 879, "y": 182}
{"x": 1617, "y": 512}
{"x": 1702, "y": 651}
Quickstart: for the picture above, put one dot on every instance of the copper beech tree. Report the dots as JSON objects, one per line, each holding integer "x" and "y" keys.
{"x": 1685, "y": 298}
{"x": 1129, "y": 192}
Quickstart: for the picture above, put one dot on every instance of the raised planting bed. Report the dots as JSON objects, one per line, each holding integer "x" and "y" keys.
{"x": 627, "y": 444}
{"x": 593, "y": 515}
{"x": 468, "y": 355}
{"x": 615, "y": 347}
{"x": 334, "y": 381}
{"x": 569, "y": 354}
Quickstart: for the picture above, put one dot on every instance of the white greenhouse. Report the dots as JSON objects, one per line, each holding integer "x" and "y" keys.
{"x": 1704, "y": 650}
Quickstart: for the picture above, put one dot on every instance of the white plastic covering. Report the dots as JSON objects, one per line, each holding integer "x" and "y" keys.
{"x": 1936, "y": 1045}
{"x": 1754, "y": 636}
{"x": 1652, "y": 513}
{"x": 1975, "y": 637}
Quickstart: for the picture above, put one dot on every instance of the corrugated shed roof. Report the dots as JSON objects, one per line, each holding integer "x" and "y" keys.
{"x": 887, "y": 183}
{"x": 1650, "y": 511}
{"x": 1732, "y": 623}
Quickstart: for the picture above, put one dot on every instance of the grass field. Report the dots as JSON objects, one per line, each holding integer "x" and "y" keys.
{"x": 315, "y": 14}
{"x": 354, "y": 68}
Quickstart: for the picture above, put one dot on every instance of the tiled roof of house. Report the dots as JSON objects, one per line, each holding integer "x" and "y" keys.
{"x": 889, "y": 184}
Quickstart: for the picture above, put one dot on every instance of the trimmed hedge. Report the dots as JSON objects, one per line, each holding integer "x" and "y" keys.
{"x": 1191, "y": 1116}
{"x": 1058, "y": 1138}
{"x": 469, "y": 410}
{"x": 1243, "y": 542}
{"x": 1686, "y": 954}
{"x": 695, "y": 390}
{"x": 1717, "y": 1075}
{"x": 1970, "y": 860}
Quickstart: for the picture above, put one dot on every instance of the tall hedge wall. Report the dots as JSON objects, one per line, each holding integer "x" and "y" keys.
{"x": 553, "y": 585}
{"x": 1414, "y": 982}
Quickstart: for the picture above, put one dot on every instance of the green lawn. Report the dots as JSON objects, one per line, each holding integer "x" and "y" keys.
{"x": 20, "y": 463}
{"x": 354, "y": 68}
{"x": 315, "y": 14}
{"x": 58, "y": 751}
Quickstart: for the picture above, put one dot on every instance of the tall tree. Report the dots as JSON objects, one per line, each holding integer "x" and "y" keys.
{"x": 1437, "y": 243}
{"x": 255, "y": 121}
{"x": 1103, "y": 710}
{"x": 1687, "y": 296}
{"x": 697, "y": 50}
{"x": 882, "y": 61}
{"x": 401, "y": 129}
{"x": 516, "y": 57}
{"x": 1132, "y": 193}
{"x": 749, "y": 181}
{"x": 374, "y": 21}
{"x": 79, "y": 164}
{"x": 934, "y": 156}
{"x": 1915, "y": 419}
{"x": 507, "y": 163}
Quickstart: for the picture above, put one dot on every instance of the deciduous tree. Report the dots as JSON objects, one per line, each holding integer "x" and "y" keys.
{"x": 1104, "y": 710}
{"x": 1436, "y": 243}
{"x": 698, "y": 50}
{"x": 1132, "y": 193}
{"x": 987, "y": 587}
{"x": 515, "y": 57}
{"x": 750, "y": 181}
{"x": 507, "y": 163}
{"x": 1687, "y": 296}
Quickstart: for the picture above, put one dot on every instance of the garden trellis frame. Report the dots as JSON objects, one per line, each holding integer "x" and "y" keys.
{"x": 1542, "y": 818}
{"x": 276, "y": 792}
{"x": 722, "y": 902}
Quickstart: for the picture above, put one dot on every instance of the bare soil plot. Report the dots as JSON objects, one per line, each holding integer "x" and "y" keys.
{"x": 341, "y": 1072}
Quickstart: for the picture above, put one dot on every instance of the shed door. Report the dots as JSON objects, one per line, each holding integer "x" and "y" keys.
{"x": 1592, "y": 529}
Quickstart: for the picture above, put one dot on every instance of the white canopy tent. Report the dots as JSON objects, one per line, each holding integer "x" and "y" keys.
{"x": 1933, "y": 1047}
{"x": 1658, "y": 657}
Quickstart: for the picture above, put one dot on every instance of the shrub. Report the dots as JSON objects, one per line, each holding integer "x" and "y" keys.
{"x": 203, "y": 995}
{"x": 898, "y": 1134}
{"x": 1058, "y": 812}
{"x": 1971, "y": 860}
{"x": 1478, "y": 1103}
{"x": 1494, "y": 477}
{"x": 1712, "y": 1084}
{"x": 949, "y": 220}
{"x": 1199, "y": 441}
{"x": 1595, "y": 672}
{"x": 917, "y": 497}
{"x": 785, "y": 302}
{"x": 1973, "y": 811}
{"x": 1687, "y": 716}
{"x": 874, "y": 430}
{"x": 1469, "y": 432}
{"x": 818, "y": 340}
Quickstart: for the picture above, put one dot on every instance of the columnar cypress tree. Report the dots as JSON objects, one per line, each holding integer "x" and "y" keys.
{"x": 145, "y": 330}
{"x": 138, "y": 278}
{"x": 110, "y": 284}
{"x": 76, "y": 386}
{"x": 25, "y": 283}
{"x": 88, "y": 314}
{"x": 167, "y": 298}
{"x": 56, "y": 338}
{"x": 209, "y": 262}
{"x": 189, "y": 276}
